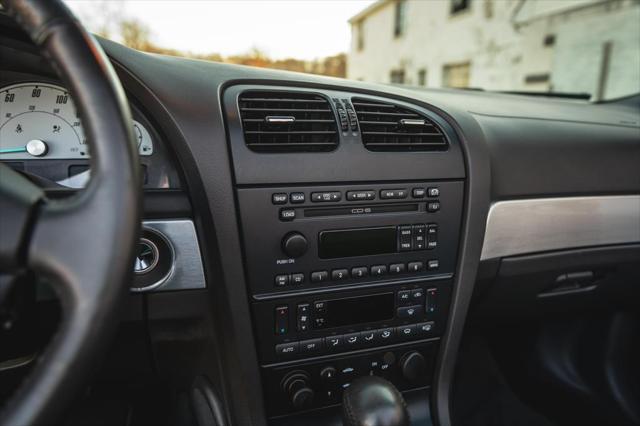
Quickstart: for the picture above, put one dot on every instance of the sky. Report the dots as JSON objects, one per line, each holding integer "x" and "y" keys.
{"x": 302, "y": 29}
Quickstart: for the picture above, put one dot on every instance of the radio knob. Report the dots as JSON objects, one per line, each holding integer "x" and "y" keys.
{"x": 413, "y": 366}
{"x": 296, "y": 385}
{"x": 294, "y": 244}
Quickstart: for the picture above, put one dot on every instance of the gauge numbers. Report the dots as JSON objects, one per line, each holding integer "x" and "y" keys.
{"x": 39, "y": 120}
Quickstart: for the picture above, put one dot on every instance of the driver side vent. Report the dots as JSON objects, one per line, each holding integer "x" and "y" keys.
{"x": 275, "y": 121}
{"x": 389, "y": 127}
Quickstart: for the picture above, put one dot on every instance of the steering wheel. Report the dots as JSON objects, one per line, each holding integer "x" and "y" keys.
{"x": 83, "y": 244}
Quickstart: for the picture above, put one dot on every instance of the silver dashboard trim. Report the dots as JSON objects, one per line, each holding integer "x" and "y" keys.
{"x": 186, "y": 272}
{"x": 535, "y": 225}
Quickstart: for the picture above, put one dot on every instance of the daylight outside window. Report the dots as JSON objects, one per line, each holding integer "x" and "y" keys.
{"x": 586, "y": 49}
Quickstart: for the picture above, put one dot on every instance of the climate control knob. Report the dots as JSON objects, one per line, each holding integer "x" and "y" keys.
{"x": 413, "y": 366}
{"x": 294, "y": 244}
{"x": 296, "y": 386}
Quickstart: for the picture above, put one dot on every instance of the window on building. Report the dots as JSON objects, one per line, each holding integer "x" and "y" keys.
{"x": 537, "y": 78}
{"x": 397, "y": 76}
{"x": 422, "y": 77}
{"x": 458, "y": 6}
{"x": 400, "y": 18}
{"x": 360, "y": 35}
{"x": 456, "y": 75}
{"x": 549, "y": 40}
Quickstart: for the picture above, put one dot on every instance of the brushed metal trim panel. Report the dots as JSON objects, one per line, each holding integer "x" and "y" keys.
{"x": 186, "y": 272}
{"x": 536, "y": 225}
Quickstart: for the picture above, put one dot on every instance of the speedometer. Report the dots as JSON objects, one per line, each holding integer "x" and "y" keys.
{"x": 39, "y": 120}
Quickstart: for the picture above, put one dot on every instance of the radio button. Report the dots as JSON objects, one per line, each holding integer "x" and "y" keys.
{"x": 326, "y": 197}
{"x": 361, "y": 195}
{"x": 409, "y": 311}
{"x": 297, "y": 279}
{"x": 405, "y": 240}
{"x": 297, "y": 197}
{"x": 339, "y": 274}
{"x": 389, "y": 194}
{"x": 311, "y": 345}
{"x": 319, "y": 276}
{"x": 404, "y": 297}
{"x": 279, "y": 198}
{"x": 287, "y": 349}
{"x": 334, "y": 343}
{"x": 418, "y": 193}
{"x": 359, "y": 272}
{"x": 397, "y": 268}
{"x": 416, "y": 266}
{"x": 433, "y": 264}
{"x": 352, "y": 340}
{"x": 406, "y": 332}
{"x": 384, "y": 335}
{"x": 282, "y": 280}
{"x": 378, "y": 270}
{"x": 433, "y": 206}
{"x": 419, "y": 239}
{"x": 432, "y": 236}
{"x": 287, "y": 214}
{"x": 433, "y": 192}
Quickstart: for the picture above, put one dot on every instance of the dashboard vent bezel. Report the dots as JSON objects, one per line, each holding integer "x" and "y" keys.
{"x": 280, "y": 121}
{"x": 390, "y": 127}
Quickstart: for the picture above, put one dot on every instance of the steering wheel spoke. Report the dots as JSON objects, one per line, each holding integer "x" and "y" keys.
{"x": 83, "y": 244}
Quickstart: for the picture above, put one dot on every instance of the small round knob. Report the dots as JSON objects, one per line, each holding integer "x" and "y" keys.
{"x": 413, "y": 366}
{"x": 37, "y": 148}
{"x": 294, "y": 244}
{"x": 296, "y": 385}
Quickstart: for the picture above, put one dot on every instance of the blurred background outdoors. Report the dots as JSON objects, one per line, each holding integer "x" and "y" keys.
{"x": 590, "y": 48}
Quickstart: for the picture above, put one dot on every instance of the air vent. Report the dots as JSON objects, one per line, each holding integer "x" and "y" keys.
{"x": 389, "y": 127}
{"x": 287, "y": 122}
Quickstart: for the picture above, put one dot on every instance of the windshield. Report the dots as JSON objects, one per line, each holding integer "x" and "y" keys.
{"x": 579, "y": 48}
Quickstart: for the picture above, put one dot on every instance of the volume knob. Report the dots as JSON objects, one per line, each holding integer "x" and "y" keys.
{"x": 294, "y": 244}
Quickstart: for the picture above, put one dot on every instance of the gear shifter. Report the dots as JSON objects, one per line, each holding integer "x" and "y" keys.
{"x": 374, "y": 401}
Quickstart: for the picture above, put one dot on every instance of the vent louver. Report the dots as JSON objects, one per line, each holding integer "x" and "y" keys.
{"x": 389, "y": 127}
{"x": 275, "y": 121}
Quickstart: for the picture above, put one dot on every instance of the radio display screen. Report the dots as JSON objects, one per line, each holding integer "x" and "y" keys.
{"x": 357, "y": 242}
{"x": 357, "y": 310}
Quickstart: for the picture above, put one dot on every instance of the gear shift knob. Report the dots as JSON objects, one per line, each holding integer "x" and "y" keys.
{"x": 374, "y": 401}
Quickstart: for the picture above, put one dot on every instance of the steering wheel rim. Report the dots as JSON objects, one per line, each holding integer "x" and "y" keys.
{"x": 85, "y": 243}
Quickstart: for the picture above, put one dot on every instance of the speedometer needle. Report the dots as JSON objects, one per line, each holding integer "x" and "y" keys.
{"x": 13, "y": 150}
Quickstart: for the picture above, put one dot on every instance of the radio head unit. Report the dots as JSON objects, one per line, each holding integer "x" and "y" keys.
{"x": 302, "y": 238}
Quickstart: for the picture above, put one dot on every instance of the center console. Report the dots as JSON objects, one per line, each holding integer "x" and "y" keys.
{"x": 348, "y": 274}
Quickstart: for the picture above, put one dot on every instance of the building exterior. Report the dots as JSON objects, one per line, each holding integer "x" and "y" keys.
{"x": 585, "y": 46}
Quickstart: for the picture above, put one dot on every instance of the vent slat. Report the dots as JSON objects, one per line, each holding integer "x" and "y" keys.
{"x": 261, "y": 120}
{"x": 311, "y": 124}
{"x": 401, "y": 134}
{"x": 283, "y": 110}
{"x": 390, "y": 127}
{"x": 289, "y": 132}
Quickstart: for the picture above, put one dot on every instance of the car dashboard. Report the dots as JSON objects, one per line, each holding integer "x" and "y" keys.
{"x": 306, "y": 231}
